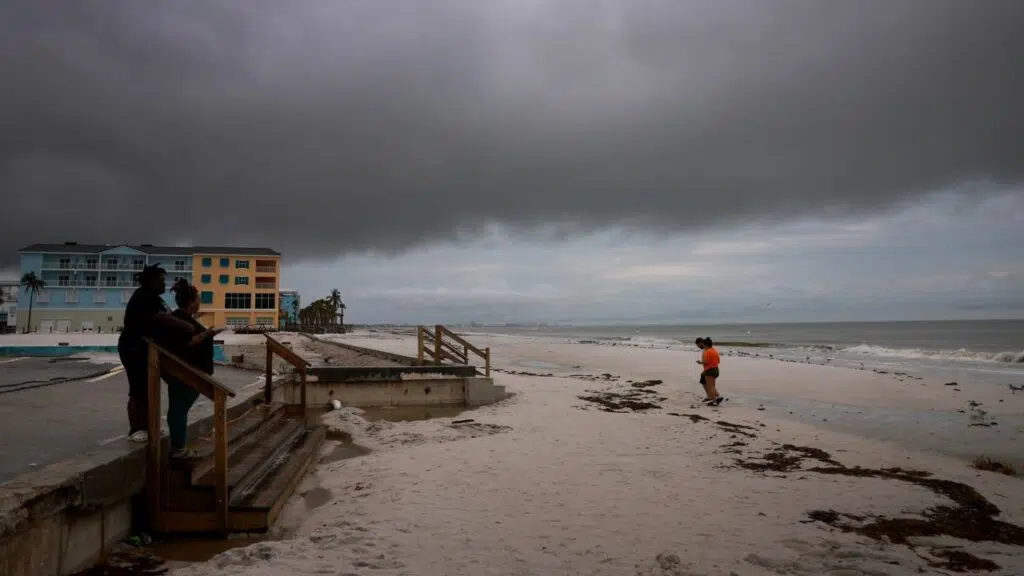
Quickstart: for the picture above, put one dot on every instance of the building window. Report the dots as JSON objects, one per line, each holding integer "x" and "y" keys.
{"x": 225, "y": 262}
{"x": 111, "y": 264}
{"x": 65, "y": 263}
{"x": 179, "y": 266}
{"x": 242, "y": 264}
{"x": 90, "y": 279}
{"x": 206, "y": 278}
{"x": 237, "y": 301}
{"x": 265, "y": 322}
{"x": 100, "y": 297}
{"x": 207, "y": 262}
{"x": 224, "y": 278}
{"x": 241, "y": 280}
{"x": 138, "y": 264}
{"x": 237, "y": 322}
{"x": 266, "y": 266}
{"x": 110, "y": 281}
{"x": 71, "y": 297}
{"x": 206, "y": 298}
{"x": 265, "y": 301}
{"x": 91, "y": 263}
{"x": 63, "y": 280}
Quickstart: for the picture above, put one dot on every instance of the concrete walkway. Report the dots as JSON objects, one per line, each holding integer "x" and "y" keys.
{"x": 46, "y": 424}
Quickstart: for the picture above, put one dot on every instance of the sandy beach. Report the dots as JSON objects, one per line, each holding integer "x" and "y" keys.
{"x": 593, "y": 466}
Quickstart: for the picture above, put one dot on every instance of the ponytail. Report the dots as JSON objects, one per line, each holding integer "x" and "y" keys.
{"x": 184, "y": 293}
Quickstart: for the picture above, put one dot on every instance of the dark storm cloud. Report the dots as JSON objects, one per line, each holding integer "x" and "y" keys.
{"x": 327, "y": 127}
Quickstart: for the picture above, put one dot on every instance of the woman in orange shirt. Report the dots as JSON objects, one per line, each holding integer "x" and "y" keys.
{"x": 709, "y": 360}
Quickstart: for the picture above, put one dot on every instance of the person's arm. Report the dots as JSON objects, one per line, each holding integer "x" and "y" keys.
{"x": 201, "y": 337}
{"x": 168, "y": 320}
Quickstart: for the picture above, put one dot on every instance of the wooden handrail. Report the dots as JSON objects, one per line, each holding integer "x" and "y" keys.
{"x": 461, "y": 340}
{"x": 182, "y": 370}
{"x": 432, "y": 344}
{"x": 300, "y": 364}
{"x": 159, "y": 359}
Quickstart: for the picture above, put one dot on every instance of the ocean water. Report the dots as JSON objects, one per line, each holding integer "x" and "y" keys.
{"x": 990, "y": 351}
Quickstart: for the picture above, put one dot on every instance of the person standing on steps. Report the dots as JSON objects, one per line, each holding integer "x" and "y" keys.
{"x": 709, "y": 361}
{"x": 146, "y": 315}
{"x": 197, "y": 350}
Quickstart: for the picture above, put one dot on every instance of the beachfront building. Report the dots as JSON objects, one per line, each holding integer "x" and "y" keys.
{"x": 290, "y": 305}
{"x": 88, "y": 285}
{"x": 8, "y": 305}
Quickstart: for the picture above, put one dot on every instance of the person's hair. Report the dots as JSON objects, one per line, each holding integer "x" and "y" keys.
{"x": 149, "y": 274}
{"x": 699, "y": 341}
{"x": 708, "y": 342}
{"x": 184, "y": 293}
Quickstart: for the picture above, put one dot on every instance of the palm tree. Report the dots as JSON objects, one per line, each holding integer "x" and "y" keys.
{"x": 335, "y": 301}
{"x": 33, "y": 285}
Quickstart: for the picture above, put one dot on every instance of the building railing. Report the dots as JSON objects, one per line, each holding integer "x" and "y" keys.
{"x": 270, "y": 269}
{"x": 264, "y": 285}
{"x": 160, "y": 360}
{"x": 442, "y": 344}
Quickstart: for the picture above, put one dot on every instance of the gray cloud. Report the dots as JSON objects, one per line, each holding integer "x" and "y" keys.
{"x": 943, "y": 258}
{"x": 323, "y": 127}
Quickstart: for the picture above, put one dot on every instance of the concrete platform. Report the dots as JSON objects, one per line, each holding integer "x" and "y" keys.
{"x": 47, "y": 424}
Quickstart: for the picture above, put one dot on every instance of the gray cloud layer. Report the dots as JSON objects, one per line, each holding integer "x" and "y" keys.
{"x": 321, "y": 127}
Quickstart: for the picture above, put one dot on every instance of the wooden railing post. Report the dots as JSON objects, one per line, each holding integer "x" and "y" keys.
{"x": 487, "y": 362}
{"x": 154, "y": 481}
{"x": 220, "y": 438}
{"x": 268, "y": 388}
{"x": 302, "y": 391}
{"x": 438, "y": 335}
{"x": 419, "y": 345}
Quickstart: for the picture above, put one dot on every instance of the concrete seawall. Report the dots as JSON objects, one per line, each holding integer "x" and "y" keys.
{"x": 65, "y": 517}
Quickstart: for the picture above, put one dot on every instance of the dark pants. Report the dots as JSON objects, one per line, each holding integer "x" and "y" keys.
{"x": 136, "y": 369}
{"x": 180, "y": 399}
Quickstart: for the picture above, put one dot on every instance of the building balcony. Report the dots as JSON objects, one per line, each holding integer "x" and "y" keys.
{"x": 267, "y": 269}
{"x": 68, "y": 266}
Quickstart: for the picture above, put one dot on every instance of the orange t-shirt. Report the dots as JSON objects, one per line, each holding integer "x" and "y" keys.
{"x": 710, "y": 358}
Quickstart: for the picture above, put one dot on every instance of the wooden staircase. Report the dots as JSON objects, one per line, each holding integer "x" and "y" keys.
{"x": 440, "y": 344}
{"x": 244, "y": 471}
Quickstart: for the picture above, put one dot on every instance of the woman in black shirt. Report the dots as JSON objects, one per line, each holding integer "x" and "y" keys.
{"x": 197, "y": 350}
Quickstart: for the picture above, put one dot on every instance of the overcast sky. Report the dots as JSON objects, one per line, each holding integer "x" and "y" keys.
{"x": 521, "y": 159}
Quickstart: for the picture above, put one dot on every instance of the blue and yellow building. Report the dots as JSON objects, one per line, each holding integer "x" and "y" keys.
{"x": 88, "y": 285}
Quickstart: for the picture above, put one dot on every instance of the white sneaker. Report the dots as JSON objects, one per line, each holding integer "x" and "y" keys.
{"x": 139, "y": 436}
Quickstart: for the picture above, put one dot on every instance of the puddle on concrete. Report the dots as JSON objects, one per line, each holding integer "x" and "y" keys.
{"x": 165, "y": 555}
{"x": 317, "y": 497}
{"x": 412, "y": 413}
{"x": 177, "y": 552}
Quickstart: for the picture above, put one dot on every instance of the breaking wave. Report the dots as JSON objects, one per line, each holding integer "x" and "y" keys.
{"x": 917, "y": 353}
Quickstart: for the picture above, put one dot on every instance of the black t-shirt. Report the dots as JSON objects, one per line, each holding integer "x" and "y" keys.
{"x": 142, "y": 308}
{"x": 199, "y": 356}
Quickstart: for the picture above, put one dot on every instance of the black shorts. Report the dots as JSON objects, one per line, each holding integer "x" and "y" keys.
{"x": 712, "y": 372}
